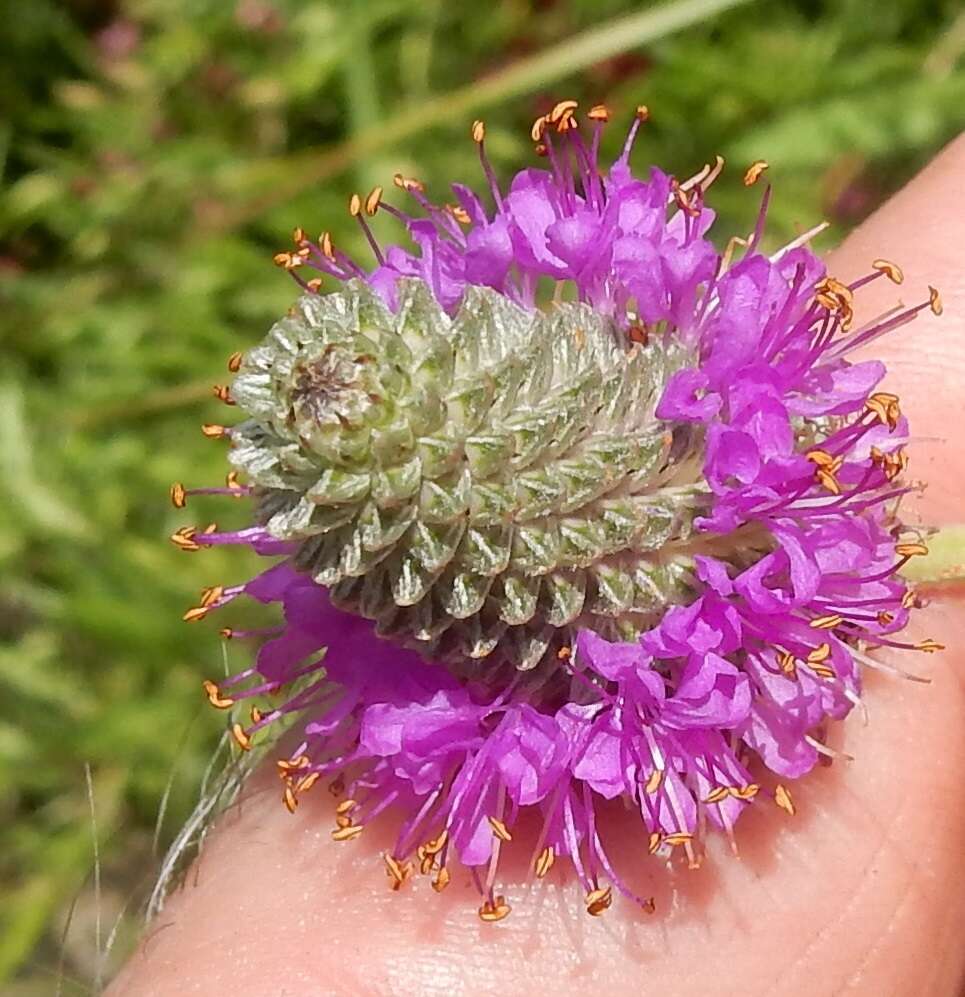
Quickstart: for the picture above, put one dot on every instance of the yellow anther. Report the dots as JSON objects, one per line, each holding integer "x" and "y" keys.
{"x": 599, "y": 112}
{"x": 642, "y": 112}
{"x": 343, "y": 822}
{"x": 820, "y": 457}
{"x": 179, "y": 498}
{"x": 344, "y": 807}
{"x": 909, "y": 600}
{"x": 654, "y": 782}
{"x": 544, "y": 861}
{"x": 211, "y": 595}
{"x": 499, "y": 829}
{"x": 782, "y": 798}
{"x": 828, "y": 481}
{"x": 459, "y": 213}
{"x": 442, "y": 880}
{"x": 226, "y": 632}
{"x": 373, "y": 201}
{"x": 718, "y": 794}
{"x": 398, "y": 872}
{"x": 885, "y": 407}
{"x": 282, "y": 260}
{"x": 314, "y": 285}
{"x": 828, "y": 622}
{"x": 562, "y": 108}
{"x": 891, "y": 270}
{"x": 494, "y": 910}
{"x": 885, "y": 619}
{"x": 241, "y": 737}
{"x": 347, "y": 833}
{"x": 564, "y": 653}
{"x": 290, "y": 799}
{"x": 215, "y": 698}
{"x": 677, "y": 838}
{"x": 747, "y": 792}
{"x": 836, "y": 289}
{"x": 478, "y": 131}
{"x": 213, "y": 431}
{"x": 787, "y": 663}
{"x": 256, "y": 715}
{"x": 599, "y": 900}
{"x": 435, "y": 845}
{"x": 934, "y": 300}
{"x": 210, "y": 528}
{"x": 538, "y": 129}
{"x": 929, "y": 646}
{"x": 304, "y": 785}
{"x": 184, "y": 538}
{"x": 654, "y": 842}
{"x": 408, "y": 183}
{"x": 221, "y": 392}
{"x": 355, "y": 205}
{"x": 754, "y": 172}
{"x": 195, "y": 613}
{"x": 325, "y": 244}
{"x": 820, "y": 654}
{"x": 824, "y": 671}
{"x": 426, "y": 862}
{"x": 911, "y": 550}
{"x": 234, "y": 362}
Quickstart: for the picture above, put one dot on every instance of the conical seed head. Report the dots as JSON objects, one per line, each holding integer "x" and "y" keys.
{"x": 478, "y": 485}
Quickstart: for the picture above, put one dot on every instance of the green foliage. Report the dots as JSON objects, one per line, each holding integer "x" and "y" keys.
{"x": 154, "y": 154}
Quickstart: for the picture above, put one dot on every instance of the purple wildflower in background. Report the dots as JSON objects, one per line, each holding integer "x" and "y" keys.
{"x": 568, "y": 506}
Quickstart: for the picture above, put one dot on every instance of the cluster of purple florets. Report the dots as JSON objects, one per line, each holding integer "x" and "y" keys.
{"x": 727, "y": 695}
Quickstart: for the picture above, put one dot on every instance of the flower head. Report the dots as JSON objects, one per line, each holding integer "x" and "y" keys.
{"x": 631, "y": 539}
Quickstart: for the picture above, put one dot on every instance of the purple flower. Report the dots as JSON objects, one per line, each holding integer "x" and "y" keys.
{"x": 791, "y": 563}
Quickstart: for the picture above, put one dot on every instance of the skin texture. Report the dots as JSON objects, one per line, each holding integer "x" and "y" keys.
{"x": 861, "y": 893}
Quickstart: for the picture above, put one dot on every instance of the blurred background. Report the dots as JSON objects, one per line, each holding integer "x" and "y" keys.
{"x": 155, "y": 153}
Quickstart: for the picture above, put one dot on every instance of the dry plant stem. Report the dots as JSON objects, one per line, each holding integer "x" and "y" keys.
{"x": 861, "y": 893}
